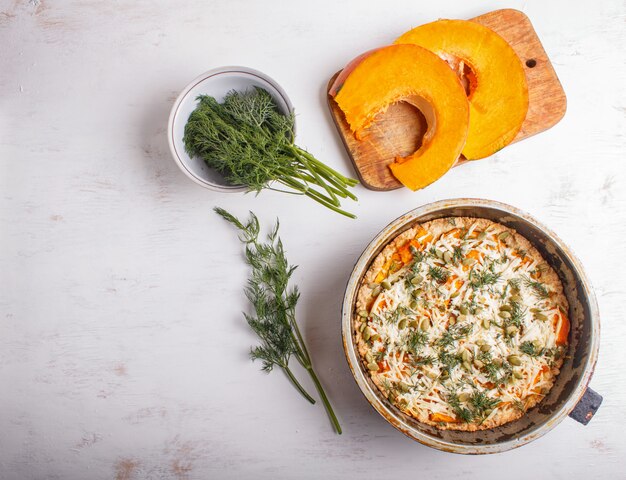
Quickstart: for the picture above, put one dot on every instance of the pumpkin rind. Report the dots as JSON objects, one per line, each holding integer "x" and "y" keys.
{"x": 413, "y": 74}
{"x": 499, "y": 95}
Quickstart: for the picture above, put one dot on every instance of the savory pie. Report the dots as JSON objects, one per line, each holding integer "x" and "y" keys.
{"x": 461, "y": 323}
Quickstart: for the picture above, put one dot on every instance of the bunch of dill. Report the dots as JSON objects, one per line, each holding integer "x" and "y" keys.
{"x": 274, "y": 319}
{"x": 251, "y": 143}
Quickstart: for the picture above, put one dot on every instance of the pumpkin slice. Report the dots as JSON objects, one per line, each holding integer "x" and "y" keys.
{"x": 415, "y": 75}
{"x": 498, "y": 93}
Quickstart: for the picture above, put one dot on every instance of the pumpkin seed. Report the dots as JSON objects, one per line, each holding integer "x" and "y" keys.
{"x": 478, "y": 363}
{"x": 452, "y": 321}
{"x": 386, "y": 284}
{"x": 362, "y": 326}
{"x": 488, "y": 412}
{"x": 464, "y": 397}
{"x": 417, "y": 279}
{"x": 416, "y": 293}
{"x": 439, "y": 254}
{"x": 445, "y": 374}
{"x": 376, "y": 291}
{"x": 497, "y": 362}
{"x": 464, "y": 310}
{"x": 504, "y": 314}
{"x": 517, "y": 374}
{"x": 504, "y": 235}
{"x": 511, "y": 330}
{"x": 455, "y": 294}
{"x": 363, "y": 313}
{"x": 481, "y": 235}
{"x": 447, "y": 257}
{"x": 485, "y": 348}
{"x": 514, "y": 360}
{"x": 414, "y": 323}
{"x": 404, "y": 387}
{"x": 480, "y": 342}
{"x": 425, "y": 324}
{"x": 541, "y": 316}
{"x": 535, "y": 310}
{"x": 467, "y": 366}
{"x": 413, "y": 305}
{"x": 505, "y": 308}
{"x": 367, "y": 333}
{"x": 373, "y": 366}
{"x": 466, "y": 355}
{"x": 402, "y": 324}
{"x": 486, "y": 323}
{"x": 516, "y": 298}
{"x": 468, "y": 262}
{"x": 461, "y": 318}
{"x": 375, "y": 337}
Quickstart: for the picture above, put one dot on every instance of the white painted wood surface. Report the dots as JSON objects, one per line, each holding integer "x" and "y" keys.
{"x": 123, "y": 353}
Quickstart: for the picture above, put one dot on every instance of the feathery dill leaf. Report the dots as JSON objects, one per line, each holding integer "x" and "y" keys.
{"x": 249, "y": 141}
{"x": 274, "y": 302}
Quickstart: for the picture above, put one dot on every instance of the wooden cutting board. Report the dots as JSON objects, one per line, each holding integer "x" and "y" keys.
{"x": 399, "y": 130}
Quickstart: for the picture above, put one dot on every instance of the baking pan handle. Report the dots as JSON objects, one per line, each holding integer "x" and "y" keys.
{"x": 586, "y": 407}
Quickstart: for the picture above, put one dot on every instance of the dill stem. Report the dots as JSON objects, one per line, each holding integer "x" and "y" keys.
{"x": 327, "y": 406}
{"x": 298, "y": 385}
{"x": 318, "y": 197}
{"x": 301, "y": 347}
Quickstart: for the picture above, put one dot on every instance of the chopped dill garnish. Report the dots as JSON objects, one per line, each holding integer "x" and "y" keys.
{"x": 482, "y": 403}
{"x": 539, "y": 289}
{"x": 454, "y": 333}
{"x": 438, "y": 274}
{"x": 463, "y": 413}
{"x": 517, "y": 314}
{"x": 530, "y": 349}
{"x": 449, "y": 360}
{"x": 457, "y": 254}
{"x": 483, "y": 279}
{"x": 416, "y": 341}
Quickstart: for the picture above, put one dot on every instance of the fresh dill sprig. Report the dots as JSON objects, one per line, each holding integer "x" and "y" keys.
{"x": 249, "y": 141}
{"x": 274, "y": 318}
{"x": 539, "y": 289}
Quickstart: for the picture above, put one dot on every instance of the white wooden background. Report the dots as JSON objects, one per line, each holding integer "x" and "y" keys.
{"x": 123, "y": 353}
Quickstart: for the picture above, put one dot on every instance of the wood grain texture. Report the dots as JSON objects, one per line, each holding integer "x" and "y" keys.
{"x": 123, "y": 351}
{"x": 399, "y": 130}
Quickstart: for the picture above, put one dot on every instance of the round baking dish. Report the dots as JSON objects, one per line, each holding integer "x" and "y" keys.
{"x": 569, "y": 395}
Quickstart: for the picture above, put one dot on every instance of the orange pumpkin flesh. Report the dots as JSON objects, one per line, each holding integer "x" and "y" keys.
{"x": 412, "y": 74}
{"x": 498, "y": 93}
